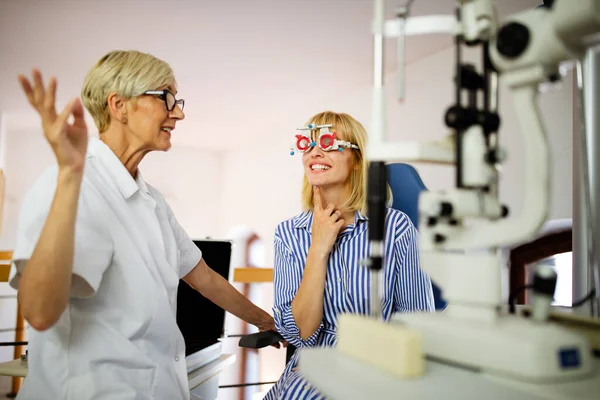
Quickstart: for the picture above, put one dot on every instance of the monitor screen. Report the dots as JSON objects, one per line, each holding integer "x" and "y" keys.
{"x": 202, "y": 322}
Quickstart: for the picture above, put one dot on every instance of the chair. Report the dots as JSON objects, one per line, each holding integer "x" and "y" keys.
{"x": 406, "y": 185}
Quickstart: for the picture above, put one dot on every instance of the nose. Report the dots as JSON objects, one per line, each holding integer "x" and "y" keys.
{"x": 316, "y": 152}
{"x": 177, "y": 113}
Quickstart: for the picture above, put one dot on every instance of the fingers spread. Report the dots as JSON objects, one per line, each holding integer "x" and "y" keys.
{"x": 41, "y": 99}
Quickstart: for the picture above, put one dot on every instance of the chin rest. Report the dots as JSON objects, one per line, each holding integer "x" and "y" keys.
{"x": 260, "y": 340}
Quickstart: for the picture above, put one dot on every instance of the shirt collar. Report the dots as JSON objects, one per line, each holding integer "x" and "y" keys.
{"x": 127, "y": 185}
{"x": 305, "y": 220}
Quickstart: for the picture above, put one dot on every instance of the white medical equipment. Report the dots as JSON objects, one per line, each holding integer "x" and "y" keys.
{"x": 327, "y": 141}
{"x": 462, "y": 230}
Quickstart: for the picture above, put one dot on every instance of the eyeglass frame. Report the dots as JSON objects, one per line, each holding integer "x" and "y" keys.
{"x": 162, "y": 94}
{"x": 337, "y": 144}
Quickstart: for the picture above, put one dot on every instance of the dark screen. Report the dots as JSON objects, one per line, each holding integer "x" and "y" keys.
{"x": 202, "y": 322}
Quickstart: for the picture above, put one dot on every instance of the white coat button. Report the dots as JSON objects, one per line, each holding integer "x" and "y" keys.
{"x": 176, "y": 358}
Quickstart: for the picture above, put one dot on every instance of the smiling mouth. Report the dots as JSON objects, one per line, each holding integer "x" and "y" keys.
{"x": 319, "y": 167}
{"x": 168, "y": 130}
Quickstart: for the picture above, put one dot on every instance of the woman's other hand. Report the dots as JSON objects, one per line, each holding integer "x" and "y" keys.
{"x": 327, "y": 224}
{"x": 68, "y": 140}
{"x": 268, "y": 325}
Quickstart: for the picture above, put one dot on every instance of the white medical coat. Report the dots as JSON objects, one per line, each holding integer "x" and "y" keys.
{"x": 118, "y": 337}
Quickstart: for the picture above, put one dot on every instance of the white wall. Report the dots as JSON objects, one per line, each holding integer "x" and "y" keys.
{"x": 192, "y": 182}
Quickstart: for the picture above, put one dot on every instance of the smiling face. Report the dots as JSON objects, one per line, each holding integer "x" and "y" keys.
{"x": 149, "y": 122}
{"x": 343, "y": 171}
{"x": 115, "y": 94}
{"x": 328, "y": 169}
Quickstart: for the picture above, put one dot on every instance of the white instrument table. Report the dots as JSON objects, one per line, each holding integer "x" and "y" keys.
{"x": 340, "y": 377}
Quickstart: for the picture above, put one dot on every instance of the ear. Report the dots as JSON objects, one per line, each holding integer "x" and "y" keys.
{"x": 116, "y": 106}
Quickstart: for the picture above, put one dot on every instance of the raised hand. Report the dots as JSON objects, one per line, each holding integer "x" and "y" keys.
{"x": 68, "y": 140}
{"x": 327, "y": 223}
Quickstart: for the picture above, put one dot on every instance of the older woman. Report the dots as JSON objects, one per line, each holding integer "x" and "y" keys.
{"x": 99, "y": 252}
{"x": 318, "y": 253}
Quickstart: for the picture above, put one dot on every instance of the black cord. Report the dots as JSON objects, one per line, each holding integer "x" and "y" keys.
{"x": 238, "y": 385}
{"x": 513, "y": 296}
{"x": 584, "y": 300}
{"x": 575, "y": 304}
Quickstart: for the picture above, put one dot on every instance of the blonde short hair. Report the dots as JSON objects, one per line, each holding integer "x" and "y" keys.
{"x": 352, "y": 131}
{"x": 127, "y": 73}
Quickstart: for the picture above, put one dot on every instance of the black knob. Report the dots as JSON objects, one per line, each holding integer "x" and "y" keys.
{"x": 544, "y": 283}
{"x": 490, "y": 121}
{"x": 547, "y": 4}
{"x": 431, "y": 221}
{"x": 491, "y": 157}
{"x": 504, "y": 211}
{"x": 554, "y": 78}
{"x": 446, "y": 209}
{"x": 437, "y": 238}
{"x": 460, "y": 118}
{"x": 513, "y": 38}
{"x": 470, "y": 79}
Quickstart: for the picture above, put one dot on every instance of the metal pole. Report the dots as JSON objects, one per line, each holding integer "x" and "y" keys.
{"x": 586, "y": 148}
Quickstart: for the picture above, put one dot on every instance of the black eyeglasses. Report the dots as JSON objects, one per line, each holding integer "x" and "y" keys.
{"x": 168, "y": 98}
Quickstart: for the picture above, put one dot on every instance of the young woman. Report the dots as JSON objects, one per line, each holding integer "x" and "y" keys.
{"x": 318, "y": 273}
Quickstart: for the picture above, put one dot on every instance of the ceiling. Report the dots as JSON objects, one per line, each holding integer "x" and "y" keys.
{"x": 238, "y": 63}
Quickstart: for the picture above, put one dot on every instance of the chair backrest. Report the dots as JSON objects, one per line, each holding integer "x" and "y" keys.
{"x": 406, "y": 186}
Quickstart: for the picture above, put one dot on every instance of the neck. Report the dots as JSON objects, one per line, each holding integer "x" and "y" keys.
{"x": 124, "y": 148}
{"x": 338, "y": 196}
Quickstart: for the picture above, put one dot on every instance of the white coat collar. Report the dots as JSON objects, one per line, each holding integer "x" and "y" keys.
{"x": 117, "y": 171}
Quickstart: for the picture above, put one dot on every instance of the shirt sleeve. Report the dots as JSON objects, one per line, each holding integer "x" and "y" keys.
{"x": 93, "y": 248}
{"x": 287, "y": 276}
{"x": 189, "y": 254}
{"x": 413, "y": 290}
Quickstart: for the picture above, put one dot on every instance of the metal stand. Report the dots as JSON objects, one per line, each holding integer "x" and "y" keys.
{"x": 586, "y": 148}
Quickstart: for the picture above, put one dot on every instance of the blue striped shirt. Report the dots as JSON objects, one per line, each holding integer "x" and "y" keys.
{"x": 406, "y": 287}
{"x": 347, "y": 289}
